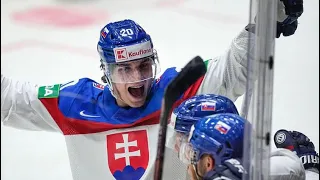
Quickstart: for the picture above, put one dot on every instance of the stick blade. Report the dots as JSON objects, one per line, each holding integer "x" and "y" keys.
{"x": 187, "y": 76}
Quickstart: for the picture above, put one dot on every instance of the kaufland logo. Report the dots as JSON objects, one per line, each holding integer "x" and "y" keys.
{"x": 133, "y": 52}
{"x": 139, "y": 53}
{"x": 121, "y": 54}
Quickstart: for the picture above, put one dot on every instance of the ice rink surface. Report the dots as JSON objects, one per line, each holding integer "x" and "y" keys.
{"x": 54, "y": 41}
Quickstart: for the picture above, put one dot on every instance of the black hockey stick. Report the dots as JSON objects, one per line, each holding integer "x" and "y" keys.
{"x": 187, "y": 76}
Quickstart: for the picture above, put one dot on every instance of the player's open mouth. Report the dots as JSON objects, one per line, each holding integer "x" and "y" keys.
{"x": 136, "y": 91}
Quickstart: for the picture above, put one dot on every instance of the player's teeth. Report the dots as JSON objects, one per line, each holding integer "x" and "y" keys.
{"x": 137, "y": 86}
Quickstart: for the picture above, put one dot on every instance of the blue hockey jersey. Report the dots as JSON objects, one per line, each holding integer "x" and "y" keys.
{"x": 105, "y": 141}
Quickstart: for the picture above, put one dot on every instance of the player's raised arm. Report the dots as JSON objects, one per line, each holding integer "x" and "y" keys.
{"x": 227, "y": 74}
{"x": 21, "y": 108}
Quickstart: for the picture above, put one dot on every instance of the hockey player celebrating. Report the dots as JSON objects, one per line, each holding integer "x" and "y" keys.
{"x": 192, "y": 110}
{"x": 111, "y": 131}
{"x": 218, "y": 133}
{"x": 215, "y": 150}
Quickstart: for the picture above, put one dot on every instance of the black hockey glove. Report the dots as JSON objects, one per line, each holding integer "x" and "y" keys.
{"x": 299, "y": 143}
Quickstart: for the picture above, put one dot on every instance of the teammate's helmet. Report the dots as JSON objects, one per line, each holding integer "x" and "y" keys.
{"x": 196, "y": 107}
{"x": 120, "y": 44}
{"x": 220, "y": 135}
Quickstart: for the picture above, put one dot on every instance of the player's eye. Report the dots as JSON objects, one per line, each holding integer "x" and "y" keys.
{"x": 127, "y": 69}
{"x": 144, "y": 66}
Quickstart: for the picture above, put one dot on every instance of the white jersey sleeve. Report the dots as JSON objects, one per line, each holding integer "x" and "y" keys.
{"x": 227, "y": 74}
{"x": 21, "y": 108}
{"x": 312, "y": 175}
{"x": 285, "y": 165}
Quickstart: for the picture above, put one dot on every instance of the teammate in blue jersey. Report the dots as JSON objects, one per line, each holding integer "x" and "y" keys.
{"x": 116, "y": 125}
{"x": 190, "y": 111}
{"x": 215, "y": 152}
{"x": 215, "y": 148}
{"x": 210, "y": 139}
{"x": 209, "y": 136}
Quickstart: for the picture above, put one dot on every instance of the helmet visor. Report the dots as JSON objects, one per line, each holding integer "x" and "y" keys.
{"x": 132, "y": 71}
{"x": 187, "y": 153}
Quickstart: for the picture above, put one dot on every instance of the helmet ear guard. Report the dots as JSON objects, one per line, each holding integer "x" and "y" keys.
{"x": 104, "y": 77}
